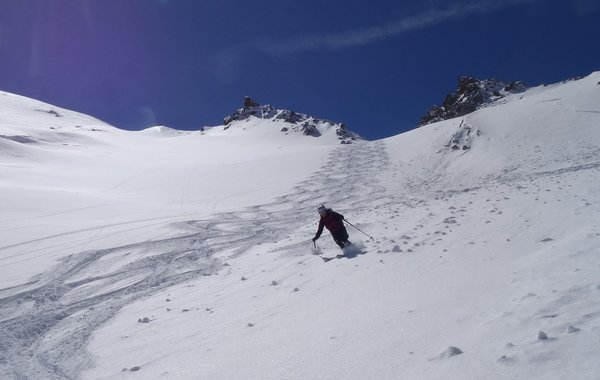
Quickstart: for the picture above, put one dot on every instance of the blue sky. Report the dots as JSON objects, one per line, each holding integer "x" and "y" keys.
{"x": 375, "y": 66}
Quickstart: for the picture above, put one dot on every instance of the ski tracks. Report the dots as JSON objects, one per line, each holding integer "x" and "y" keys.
{"x": 346, "y": 182}
{"x": 46, "y": 324}
{"x": 44, "y": 329}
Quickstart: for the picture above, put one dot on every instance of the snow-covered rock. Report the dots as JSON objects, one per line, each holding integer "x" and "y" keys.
{"x": 448, "y": 353}
{"x": 292, "y": 121}
{"x": 470, "y": 95}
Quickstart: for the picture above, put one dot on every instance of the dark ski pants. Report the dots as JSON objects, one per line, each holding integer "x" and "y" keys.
{"x": 341, "y": 238}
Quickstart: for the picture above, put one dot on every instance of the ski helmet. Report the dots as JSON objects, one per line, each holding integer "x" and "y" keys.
{"x": 321, "y": 209}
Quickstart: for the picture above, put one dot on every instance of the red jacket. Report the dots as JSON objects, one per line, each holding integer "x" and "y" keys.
{"x": 333, "y": 221}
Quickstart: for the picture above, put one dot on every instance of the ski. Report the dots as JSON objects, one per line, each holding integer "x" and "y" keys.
{"x": 351, "y": 255}
{"x": 328, "y": 259}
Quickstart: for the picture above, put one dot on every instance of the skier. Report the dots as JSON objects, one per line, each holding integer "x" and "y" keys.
{"x": 334, "y": 223}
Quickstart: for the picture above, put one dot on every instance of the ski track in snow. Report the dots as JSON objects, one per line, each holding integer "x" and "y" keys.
{"x": 45, "y": 325}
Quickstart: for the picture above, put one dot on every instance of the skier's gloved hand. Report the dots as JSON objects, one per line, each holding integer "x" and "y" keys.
{"x": 314, "y": 239}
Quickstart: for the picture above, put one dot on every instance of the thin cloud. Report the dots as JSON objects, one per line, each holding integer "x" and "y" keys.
{"x": 364, "y": 36}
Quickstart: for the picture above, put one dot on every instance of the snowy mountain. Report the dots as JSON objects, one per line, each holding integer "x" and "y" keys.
{"x": 470, "y": 95}
{"x": 290, "y": 121}
{"x": 159, "y": 254}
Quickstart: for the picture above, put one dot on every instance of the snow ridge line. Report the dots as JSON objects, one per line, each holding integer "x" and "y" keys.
{"x": 46, "y": 325}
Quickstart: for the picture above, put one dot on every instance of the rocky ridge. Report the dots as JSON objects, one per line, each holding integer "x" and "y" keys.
{"x": 470, "y": 95}
{"x": 298, "y": 122}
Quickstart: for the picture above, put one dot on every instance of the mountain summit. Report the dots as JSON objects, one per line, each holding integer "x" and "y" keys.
{"x": 470, "y": 95}
{"x": 294, "y": 121}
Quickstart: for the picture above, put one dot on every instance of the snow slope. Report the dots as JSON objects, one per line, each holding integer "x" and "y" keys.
{"x": 189, "y": 256}
{"x": 72, "y": 183}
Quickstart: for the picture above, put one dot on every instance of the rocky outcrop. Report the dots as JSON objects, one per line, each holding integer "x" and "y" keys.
{"x": 250, "y": 103}
{"x": 298, "y": 122}
{"x": 470, "y": 95}
{"x": 251, "y": 108}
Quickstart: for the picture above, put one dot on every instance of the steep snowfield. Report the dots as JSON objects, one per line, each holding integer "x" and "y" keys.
{"x": 189, "y": 255}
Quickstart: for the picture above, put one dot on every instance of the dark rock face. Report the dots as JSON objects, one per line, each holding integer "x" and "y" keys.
{"x": 298, "y": 122}
{"x": 250, "y": 103}
{"x": 289, "y": 116}
{"x": 470, "y": 95}
{"x": 251, "y": 108}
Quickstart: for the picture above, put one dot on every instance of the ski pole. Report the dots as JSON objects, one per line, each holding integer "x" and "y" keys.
{"x": 359, "y": 229}
{"x": 315, "y": 249}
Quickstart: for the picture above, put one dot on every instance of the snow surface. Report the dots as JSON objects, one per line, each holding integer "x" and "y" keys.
{"x": 159, "y": 254}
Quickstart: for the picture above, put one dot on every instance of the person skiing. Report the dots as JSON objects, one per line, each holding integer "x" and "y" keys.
{"x": 334, "y": 223}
